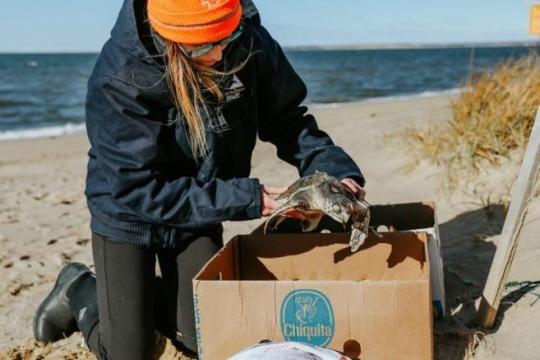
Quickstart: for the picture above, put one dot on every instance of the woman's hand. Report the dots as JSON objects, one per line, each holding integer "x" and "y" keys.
{"x": 356, "y": 189}
{"x": 268, "y": 194}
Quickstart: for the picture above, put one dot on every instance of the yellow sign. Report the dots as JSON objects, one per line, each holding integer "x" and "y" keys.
{"x": 534, "y": 25}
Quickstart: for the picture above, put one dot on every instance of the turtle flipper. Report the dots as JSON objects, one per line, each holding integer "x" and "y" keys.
{"x": 360, "y": 232}
{"x": 310, "y": 219}
{"x": 357, "y": 239}
{"x": 273, "y": 221}
{"x": 288, "y": 210}
{"x": 294, "y": 208}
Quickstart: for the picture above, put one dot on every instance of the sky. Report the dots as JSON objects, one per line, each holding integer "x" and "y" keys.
{"x": 82, "y": 26}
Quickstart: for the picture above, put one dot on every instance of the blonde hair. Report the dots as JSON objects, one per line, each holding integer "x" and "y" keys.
{"x": 188, "y": 82}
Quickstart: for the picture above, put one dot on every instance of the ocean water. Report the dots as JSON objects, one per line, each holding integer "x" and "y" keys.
{"x": 44, "y": 94}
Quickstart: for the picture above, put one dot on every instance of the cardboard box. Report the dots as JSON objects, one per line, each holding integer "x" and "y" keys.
{"x": 372, "y": 304}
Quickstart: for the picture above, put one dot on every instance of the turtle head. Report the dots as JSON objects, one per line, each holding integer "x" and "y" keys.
{"x": 340, "y": 203}
{"x": 339, "y": 208}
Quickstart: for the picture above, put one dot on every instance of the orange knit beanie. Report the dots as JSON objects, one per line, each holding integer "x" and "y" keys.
{"x": 194, "y": 21}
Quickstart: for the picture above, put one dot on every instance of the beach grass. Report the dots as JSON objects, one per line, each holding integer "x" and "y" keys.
{"x": 492, "y": 120}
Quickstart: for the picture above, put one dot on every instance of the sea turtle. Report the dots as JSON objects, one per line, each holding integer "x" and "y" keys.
{"x": 311, "y": 197}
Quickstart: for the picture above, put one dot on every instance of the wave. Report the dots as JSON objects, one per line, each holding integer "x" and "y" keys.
{"x": 453, "y": 91}
{"x": 13, "y": 103}
{"x": 48, "y": 131}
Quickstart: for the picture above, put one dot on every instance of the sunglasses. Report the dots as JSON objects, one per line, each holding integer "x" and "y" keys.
{"x": 203, "y": 49}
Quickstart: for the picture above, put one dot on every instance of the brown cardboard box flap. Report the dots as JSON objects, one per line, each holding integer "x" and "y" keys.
{"x": 395, "y": 256}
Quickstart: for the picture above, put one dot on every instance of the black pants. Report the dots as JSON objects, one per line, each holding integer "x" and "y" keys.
{"x": 133, "y": 303}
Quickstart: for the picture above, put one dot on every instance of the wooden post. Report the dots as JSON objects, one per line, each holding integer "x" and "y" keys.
{"x": 534, "y": 20}
{"x": 508, "y": 242}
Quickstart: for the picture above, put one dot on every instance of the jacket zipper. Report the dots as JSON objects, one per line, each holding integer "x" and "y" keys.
{"x": 222, "y": 125}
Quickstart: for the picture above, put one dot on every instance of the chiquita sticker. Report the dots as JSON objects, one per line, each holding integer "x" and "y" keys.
{"x": 307, "y": 316}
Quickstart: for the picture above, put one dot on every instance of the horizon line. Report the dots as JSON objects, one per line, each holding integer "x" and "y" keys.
{"x": 412, "y": 46}
{"x": 334, "y": 47}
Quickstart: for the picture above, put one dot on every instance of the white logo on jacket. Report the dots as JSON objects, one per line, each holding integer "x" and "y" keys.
{"x": 235, "y": 90}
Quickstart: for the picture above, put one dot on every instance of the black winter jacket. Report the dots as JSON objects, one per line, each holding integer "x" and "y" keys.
{"x": 144, "y": 185}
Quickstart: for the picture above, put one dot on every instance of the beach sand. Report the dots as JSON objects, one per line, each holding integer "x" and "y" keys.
{"x": 44, "y": 224}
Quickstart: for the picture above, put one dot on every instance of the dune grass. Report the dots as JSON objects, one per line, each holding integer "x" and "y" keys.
{"x": 492, "y": 118}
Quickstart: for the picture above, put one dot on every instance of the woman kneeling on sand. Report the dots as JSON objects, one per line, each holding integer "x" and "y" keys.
{"x": 177, "y": 98}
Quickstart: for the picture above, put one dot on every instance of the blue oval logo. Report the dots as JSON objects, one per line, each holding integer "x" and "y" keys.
{"x": 307, "y": 316}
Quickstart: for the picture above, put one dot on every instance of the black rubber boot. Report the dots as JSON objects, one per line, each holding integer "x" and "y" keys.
{"x": 83, "y": 304}
{"x": 54, "y": 319}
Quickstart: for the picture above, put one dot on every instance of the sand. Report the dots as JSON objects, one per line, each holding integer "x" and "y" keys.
{"x": 44, "y": 224}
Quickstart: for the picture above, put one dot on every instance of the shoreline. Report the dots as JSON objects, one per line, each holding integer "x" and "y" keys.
{"x": 390, "y": 98}
{"x": 79, "y": 128}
